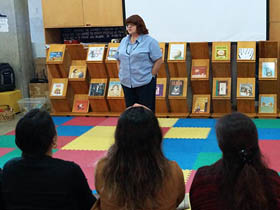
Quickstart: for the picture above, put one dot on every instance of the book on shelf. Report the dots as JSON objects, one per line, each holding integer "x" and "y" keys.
{"x": 246, "y": 53}
{"x": 95, "y": 53}
{"x": 221, "y": 53}
{"x": 57, "y": 89}
{"x": 246, "y": 89}
{"x": 199, "y": 72}
{"x": 96, "y": 89}
{"x": 55, "y": 56}
{"x": 268, "y": 69}
{"x": 112, "y": 52}
{"x": 177, "y": 52}
{"x": 77, "y": 72}
{"x": 267, "y": 104}
{"x": 221, "y": 88}
{"x": 201, "y": 104}
{"x": 176, "y": 87}
{"x": 115, "y": 89}
{"x": 159, "y": 90}
{"x": 81, "y": 105}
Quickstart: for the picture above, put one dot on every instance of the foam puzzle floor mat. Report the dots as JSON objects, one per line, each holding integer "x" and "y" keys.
{"x": 191, "y": 143}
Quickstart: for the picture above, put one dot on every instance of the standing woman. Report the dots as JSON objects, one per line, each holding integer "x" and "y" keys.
{"x": 135, "y": 175}
{"x": 138, "y": 59}
{"x": 240, "y": 180}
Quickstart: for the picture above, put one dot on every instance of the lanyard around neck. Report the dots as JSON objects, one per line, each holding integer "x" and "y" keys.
{"x": 131, "y": 50}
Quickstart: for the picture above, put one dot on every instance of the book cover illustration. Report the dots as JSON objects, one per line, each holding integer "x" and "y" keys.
{"x": 77, "y": 72}
{"x": 200, "y": 105}
{"x": 57, "y": 89}
{"x": 176, "y": 87}
{"x": 112, "y": 52}
{"x": 268, "y": 69}
{"x": 246, "y": 90}
{"x": 115, "y": 89}
{"x": 177, "y": 52}
{"x": 199, "y": 71}
{"x": 246, "y": 53}
{"x": 97, "y": 89}
{"x": 55, "y": 56}
{"x": 267, "y": 104}
{"x": 80, "y": 106}
{"x": 159, "y": 90}
{"x": 221, "y": 88}
{"x": 221, "y": 53}
{"x": 95, "y": 53}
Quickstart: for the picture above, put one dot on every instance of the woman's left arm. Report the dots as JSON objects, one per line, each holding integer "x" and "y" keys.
{"x": 156, "y": 66}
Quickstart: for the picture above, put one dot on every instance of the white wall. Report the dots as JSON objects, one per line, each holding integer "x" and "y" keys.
{"x": 36, "y": 28}
{"x": 202, "y": 20}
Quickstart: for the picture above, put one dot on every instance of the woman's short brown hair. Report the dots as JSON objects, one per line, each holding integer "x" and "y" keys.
{"x": 139, "y": 22}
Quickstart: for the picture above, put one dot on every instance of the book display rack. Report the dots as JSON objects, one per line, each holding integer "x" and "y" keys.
{"x": 268, "y": 79}
{"x": 161, "y": 99}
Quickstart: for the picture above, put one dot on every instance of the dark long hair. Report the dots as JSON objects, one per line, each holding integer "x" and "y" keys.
{"x": 135, "y": 166}
{"x": 244, "y": 184}
{"x": 139, "y": 22}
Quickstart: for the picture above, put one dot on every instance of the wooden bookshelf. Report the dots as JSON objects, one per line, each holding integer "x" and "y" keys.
{"x": 176, "y": 59}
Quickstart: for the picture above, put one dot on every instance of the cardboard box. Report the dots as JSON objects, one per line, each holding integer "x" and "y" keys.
{"x": 11, "y": 98}
{"x": 37, "y": 90}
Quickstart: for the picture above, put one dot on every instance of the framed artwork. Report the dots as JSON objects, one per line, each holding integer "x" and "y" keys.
{"x": 57, "y": 89}
{"x": 80, "y": 105}
{"x": 77, "y": 72}
{"x": 177, "y": 52}
{"x": 221, "y": 52}
{"x": 199, "y": 72}
{"x": 112, "y": 52}
{"x": 246, "y": 53}
{"x": 55, "y": 56}
{"x": 268, "y": 69}
{"x": 176, "y": 87}
{"x": 95, "y": 53}
{"x": 267, "y": 103}
{"x": 97, "y": 89}
{"x": 201, "y": 104}
{"x": 115, "y": 89}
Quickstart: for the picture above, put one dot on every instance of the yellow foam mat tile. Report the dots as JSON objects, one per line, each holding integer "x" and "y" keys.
{"x": 98, "y": 138}
{"x": 186, "y": 174}
{"x": 167, "y": 122}
{"x": 101, "y": 131}
{"x": 187, "y": 133}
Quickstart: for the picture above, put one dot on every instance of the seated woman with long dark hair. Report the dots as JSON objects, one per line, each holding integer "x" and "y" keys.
{"x": 38, "y": 181}
{"x": 135, "y": 175}
{"x": 240, "y": 180}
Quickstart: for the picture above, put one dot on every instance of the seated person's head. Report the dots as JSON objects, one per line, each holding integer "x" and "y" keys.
{"x": 238, "y": 138}
{"x": 138, "y": 130}
{"x": 36, "y": 133}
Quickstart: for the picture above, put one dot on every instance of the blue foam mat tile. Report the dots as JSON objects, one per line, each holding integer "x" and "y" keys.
{"x": 184, "y": 159}
{"x": 183, "y": 145}
{"x": 269, "y": 133}
{"x": 69, "y": 130}
{"x": 195, "y": 123}
{"x": 61, "y": 120}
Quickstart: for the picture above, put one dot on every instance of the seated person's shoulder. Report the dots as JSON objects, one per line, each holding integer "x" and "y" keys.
{"x": 13, "y": 162}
